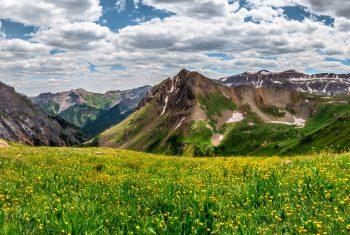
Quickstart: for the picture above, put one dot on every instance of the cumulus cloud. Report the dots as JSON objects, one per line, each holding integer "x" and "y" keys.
{"x": 48, "y": 12}
{"x": 13, "y": 48}
{"x": 335, "y": 7}
{"x": 74, "y": 36}
{"x": 194, "y": 8}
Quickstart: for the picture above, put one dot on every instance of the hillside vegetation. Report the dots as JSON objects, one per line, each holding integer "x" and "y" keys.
{"x": 101, "y": 191}
{"x": 328, "y": 128}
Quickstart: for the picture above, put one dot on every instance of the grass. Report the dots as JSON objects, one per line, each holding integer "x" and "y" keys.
{"x": 98, "y": 100}
{"x": 102, "y": 191}
{"x": 273, "y": 111}
{"x": 221, "y": 102}
{"x": 328, "y": 128}
{"x": 198, "y": 140}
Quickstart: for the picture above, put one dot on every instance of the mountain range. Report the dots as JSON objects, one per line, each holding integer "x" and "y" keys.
{"x": 320, "y": 84}
{"x": 190, "y": 114}
{"x": 92, "y": 112}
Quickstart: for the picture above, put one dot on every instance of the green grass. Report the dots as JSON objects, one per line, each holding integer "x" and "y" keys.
{"x": 214, "y": 104}
{"x": 273, "y": 111}
{"x": 261, "y": 139}
{"x": 328, "y": 128}
{"x": 198, "y": 140}
{"x": 103, "y": 191}
{"x": 131, "y": 128}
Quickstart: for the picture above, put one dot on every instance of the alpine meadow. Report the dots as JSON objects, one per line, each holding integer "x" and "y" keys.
{"x": 174, "y": 117}
{"x": 102, "y": 191}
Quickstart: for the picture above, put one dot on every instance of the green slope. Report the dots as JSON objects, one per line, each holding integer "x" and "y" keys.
{"x": 328, "y": 128}
{"x": 105, "y": 120}
{"x": 80, "y": 115}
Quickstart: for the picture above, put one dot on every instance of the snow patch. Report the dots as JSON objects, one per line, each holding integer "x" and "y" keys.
{"x": 265, "y": 73}
{"x": 216, "y": 139}
{"x": 297, "y": 122}
{"x": 236, "y": 117}
{"x": 165, "y": 106}
{"x": 180, "y": 123}
{"x": 224, "y": 94}
{"x": 277, "y": 82}
{"x": 172, "y": 87}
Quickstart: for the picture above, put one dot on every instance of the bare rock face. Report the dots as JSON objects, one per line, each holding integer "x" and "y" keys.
{"x": 3, "y": 144}
{"x": 329, "y": 84}
{"x": 27, "y": 123}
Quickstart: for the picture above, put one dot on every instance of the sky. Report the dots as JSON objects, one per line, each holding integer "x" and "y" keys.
{"x": 102, "y": 45}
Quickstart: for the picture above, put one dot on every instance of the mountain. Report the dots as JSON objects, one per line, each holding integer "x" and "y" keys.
{"x": 25, "y": 122}
{"x": 329, "y": 84}
{"x": 193, "y": 115}
{"x": 85, "y": 109}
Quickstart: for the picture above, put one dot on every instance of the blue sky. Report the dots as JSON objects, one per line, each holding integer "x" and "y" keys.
{"x": 119, "y": 44}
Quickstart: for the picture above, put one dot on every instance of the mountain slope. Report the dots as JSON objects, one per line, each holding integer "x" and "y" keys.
{"x": 25, "y": 122}
{"x": 82, "y": 108}
{"x": 327, "y": 128}
{"x": 107, "y": 119}
{"x": 319, "y": 84}
{"x": 190, "y": 114}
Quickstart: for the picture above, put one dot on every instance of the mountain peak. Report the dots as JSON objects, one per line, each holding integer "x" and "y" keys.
{"x": 185, "y": 74}
{"x": 79, "y": 90}
{"x": 292, "y": 71}
{"x": 264, "y": 72}
{"x": 193, "y": 77}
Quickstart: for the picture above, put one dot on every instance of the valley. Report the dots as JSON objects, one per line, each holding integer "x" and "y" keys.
{"x": 91, "y": 111}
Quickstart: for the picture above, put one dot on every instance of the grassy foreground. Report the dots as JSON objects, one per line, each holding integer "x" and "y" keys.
{"x": 100, "y": 191}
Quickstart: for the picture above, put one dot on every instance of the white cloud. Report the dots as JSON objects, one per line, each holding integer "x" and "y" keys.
{"x": 48, "y": 12}
{"x": 120, "y": 5}
{"x": 18, "y": 48}
{"x": 74, "y": 36}
{"x": 194, "y": 8}
{"x": 338, "y": 8}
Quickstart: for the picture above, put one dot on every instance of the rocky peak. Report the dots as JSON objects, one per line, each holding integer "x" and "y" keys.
{"x": 264, "y": 72}
{"x": 320, "y": 84}
{"x": 292, "y": 74}
{"x": 23, "y": 121}
{"x": 179, "y": 91}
